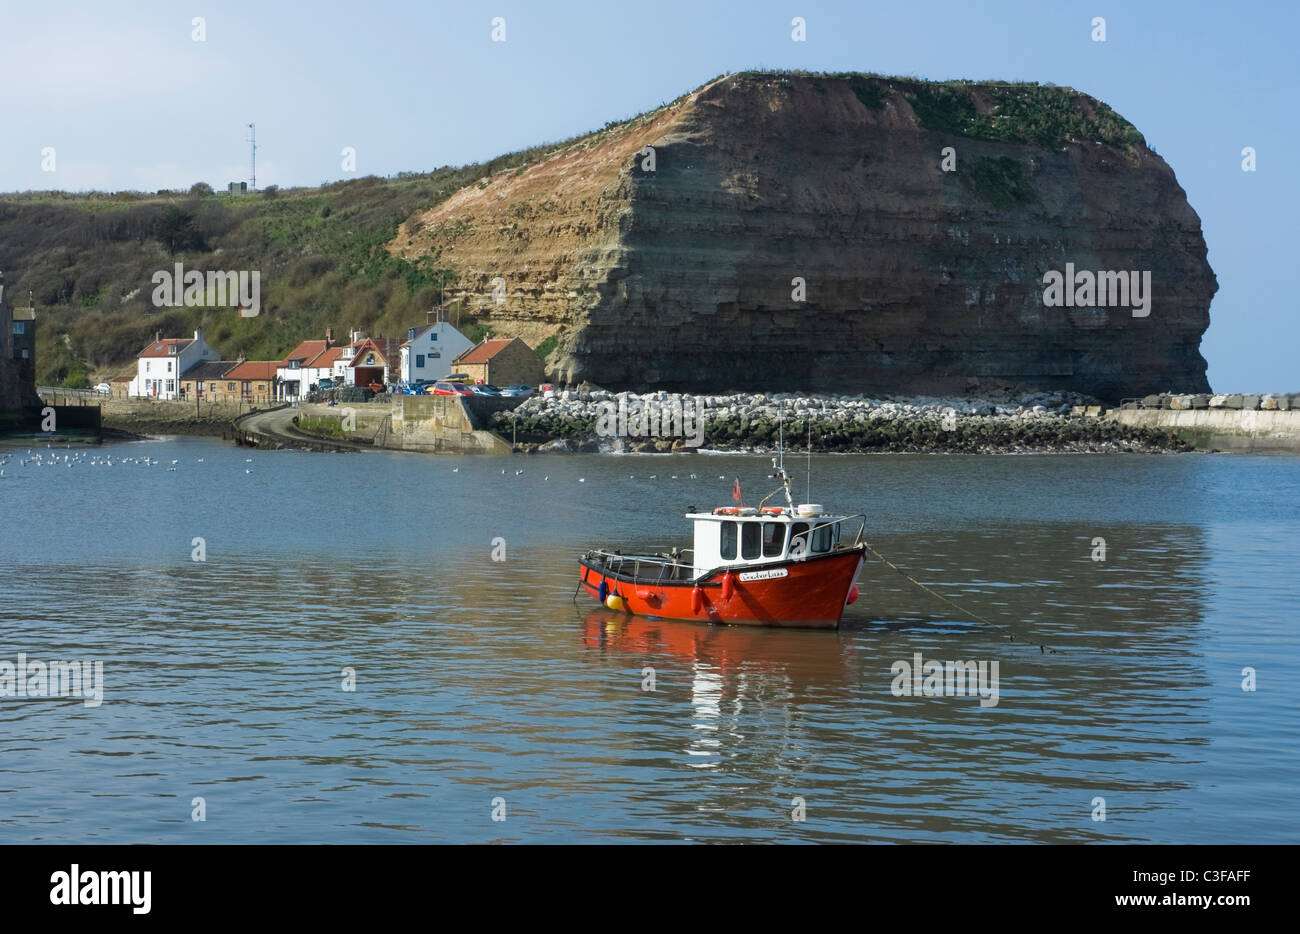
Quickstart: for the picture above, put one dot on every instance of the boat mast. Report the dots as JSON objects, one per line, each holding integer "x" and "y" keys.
{"x": 778, "y": 462}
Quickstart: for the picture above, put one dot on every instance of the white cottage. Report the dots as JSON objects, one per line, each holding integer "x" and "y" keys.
{"x": 160, "y": 365}
{"x": 306, "y": 365}
{"x": 428, "y": 351}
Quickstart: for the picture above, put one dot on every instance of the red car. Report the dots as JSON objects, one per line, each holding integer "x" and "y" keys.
{"x": 444, "y": 388}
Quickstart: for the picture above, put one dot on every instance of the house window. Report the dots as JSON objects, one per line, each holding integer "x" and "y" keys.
{"x": 20, "y": 327}
{"x": 419, "y": 361}
{"x": 147, "y": 366}
{"x": 230, "y": 387}
{"x": 370, "y": 359}
{"x": 212, "y": 387}
{"x": 169, "y": 366}
{"x": 433, "y": 335}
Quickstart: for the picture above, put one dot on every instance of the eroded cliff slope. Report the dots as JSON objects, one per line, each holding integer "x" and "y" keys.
{"x": 684, "y": 273}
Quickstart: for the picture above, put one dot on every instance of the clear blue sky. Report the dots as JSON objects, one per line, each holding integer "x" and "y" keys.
{"x": 128, "y": 100}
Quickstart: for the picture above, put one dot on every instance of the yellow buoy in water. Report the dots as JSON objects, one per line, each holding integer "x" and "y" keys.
{"x": 614, "y": 602}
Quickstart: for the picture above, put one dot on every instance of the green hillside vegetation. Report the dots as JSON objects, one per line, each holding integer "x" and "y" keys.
{"x": 1021, "y": 113}
{"x": 89, "y": 258}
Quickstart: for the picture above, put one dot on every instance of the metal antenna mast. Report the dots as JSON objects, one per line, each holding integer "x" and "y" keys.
{"x": 252, "y": 155}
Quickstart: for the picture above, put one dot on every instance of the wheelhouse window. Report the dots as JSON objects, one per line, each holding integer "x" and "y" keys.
{"x": 773, "y": 539}
{"x": 799, "y": 538}
{"x": 823, "y": 537}
{"x": 751, "y": 534}
{"x": 727, "y": 549}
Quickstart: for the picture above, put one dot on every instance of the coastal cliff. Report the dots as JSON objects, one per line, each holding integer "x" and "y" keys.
{"x": 680, "y": 266}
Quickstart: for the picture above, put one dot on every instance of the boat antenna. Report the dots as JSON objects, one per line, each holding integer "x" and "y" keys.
{"x": 780, "y": 434}
{"x": 809, "y": 499}
{"x": 778, "y": 462}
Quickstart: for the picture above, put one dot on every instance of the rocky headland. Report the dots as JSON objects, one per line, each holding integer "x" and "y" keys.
{"x": 839, "y": 233}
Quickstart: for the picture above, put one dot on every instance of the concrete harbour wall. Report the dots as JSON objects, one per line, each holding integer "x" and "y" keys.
{"x": 1243, "y": 431}
{"x": 439, "y": 424}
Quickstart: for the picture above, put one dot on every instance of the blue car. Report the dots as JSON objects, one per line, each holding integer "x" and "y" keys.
{"x": 518, "y": 392}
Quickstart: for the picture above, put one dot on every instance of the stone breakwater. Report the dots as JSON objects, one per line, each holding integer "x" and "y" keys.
{"x": 660, "y": 422}
{"x": 1247, "y": 402}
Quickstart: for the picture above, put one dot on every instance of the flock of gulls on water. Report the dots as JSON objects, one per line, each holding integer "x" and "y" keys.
{"x": 98, "y": 459}
{"x": 50, "y": 458}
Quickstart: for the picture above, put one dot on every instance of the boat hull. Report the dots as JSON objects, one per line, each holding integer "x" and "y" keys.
{"x": 808, "y": 593}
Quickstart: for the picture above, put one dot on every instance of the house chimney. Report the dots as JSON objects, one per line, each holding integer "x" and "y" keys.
{"x": 157, "y": 335}
{"x": 198, "y": 335}
{"x": 329, "y": 336}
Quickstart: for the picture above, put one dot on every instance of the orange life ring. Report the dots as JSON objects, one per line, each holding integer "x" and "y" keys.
{"x": 772, "y": 510}
{"x": 725, "y": 511}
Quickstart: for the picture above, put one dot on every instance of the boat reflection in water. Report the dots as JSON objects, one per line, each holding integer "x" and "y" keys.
{"x": 732, "y": 675}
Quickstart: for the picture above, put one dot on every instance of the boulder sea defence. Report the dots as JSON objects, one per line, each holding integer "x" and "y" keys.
{"x": 662, "y": 422}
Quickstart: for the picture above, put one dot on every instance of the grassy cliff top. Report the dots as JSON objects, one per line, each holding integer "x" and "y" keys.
{"x": 1010, "y": 111}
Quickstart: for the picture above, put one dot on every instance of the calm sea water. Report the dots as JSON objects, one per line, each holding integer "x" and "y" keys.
{"x": 478, "y": 680}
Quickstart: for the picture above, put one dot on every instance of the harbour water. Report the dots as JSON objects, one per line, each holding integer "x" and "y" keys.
{"x": 483, "y": 690}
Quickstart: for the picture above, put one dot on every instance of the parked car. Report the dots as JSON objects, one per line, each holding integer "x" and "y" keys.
{"x": 518, "y": 392}
{"x": 104, "y": 389}
{"x": 325, "y": 385}
{"x": 485, "y": 389}
{"x": 444, "y": 388}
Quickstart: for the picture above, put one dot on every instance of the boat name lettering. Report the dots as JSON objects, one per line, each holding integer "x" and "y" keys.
{"x": 763, "y": 575}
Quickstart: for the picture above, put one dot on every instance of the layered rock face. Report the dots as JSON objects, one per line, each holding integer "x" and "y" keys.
{"x": 801, "y": 233}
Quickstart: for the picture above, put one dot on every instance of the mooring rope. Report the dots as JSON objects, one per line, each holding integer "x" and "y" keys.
{"x": 1042, "y": 646}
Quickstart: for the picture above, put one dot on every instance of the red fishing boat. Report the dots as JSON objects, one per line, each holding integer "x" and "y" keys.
{"x": 764, "y": 565}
